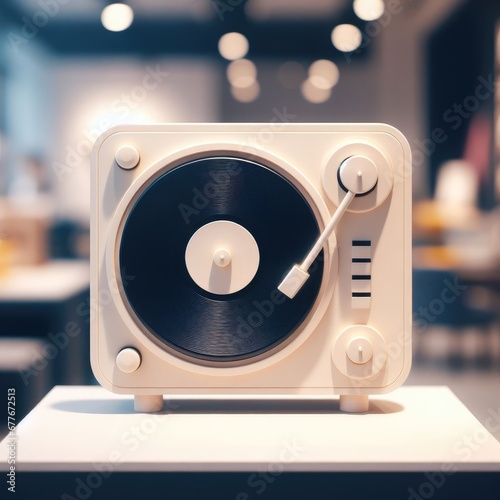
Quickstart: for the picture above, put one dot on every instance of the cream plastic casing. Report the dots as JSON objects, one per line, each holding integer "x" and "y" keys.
{"x": 320, "y": 359}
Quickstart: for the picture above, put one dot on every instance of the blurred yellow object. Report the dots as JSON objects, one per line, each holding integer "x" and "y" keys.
{"x": 432, "y": 218}
{"x": 27, "y": 226}
{"x": 6, "y": 252}
{"x": 436, "y": 257}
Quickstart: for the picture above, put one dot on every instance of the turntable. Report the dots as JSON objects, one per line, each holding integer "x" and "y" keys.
{"x": 251, "y": 260}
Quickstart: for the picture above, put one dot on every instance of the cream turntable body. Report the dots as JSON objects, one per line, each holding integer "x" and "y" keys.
{"x": 251, "y": 260}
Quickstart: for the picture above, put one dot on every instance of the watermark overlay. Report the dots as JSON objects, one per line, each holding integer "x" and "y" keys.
{"x": 259, "y": 482}
{"x": 105, "y": 296}
{"x": 484, "y": 89}
{"x": 394, "y": 350}
{"x": 266, "y": 134}
{"x": 11, "y": 440}
{"x": 220, "y": 179}
{"x": 213, "y": 189}
{"x": 130, "y": 441}
{"x": 264, "y": 309}
{"x": 464, "y": 448}
{"x": 31, "y": 26}
{"x": 119, "y": 110}
{"x": 59, "y": 341}
{"x": 428, "y": 314}
{"x": 222, "y": 7}
{"x": 373, "y": 29}
{"x": 453, "y": 119}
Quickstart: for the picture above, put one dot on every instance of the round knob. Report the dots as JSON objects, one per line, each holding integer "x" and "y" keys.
{"x": 128, "y": 360}
{"x": 222, "y": 258}
{"x": 360, "y": 350}
{"x": 358, "y": 174}
{"x": 127, "y": 157}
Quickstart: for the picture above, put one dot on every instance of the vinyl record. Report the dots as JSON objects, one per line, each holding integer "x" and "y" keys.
{"x": 165, "y": 298}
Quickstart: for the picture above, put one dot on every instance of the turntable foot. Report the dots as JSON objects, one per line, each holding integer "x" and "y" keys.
{"x": 145, "y": 403}
{"x": 357, "y": 403}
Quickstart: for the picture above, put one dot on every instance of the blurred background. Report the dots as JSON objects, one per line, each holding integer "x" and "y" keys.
{"x": 71, "y": 69}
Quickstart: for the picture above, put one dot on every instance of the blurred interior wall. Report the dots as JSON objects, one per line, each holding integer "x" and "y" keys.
{"x": 89, "y": 96}
{"x": 27, "y": 108}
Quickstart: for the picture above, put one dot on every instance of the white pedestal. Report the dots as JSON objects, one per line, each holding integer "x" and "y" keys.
{"x": 413, "y": 429}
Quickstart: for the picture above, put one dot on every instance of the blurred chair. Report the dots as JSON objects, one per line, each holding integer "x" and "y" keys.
{"x": 24, "y": 368}
{"x": 51, "y": 302}
{"x": 446, "y": 328}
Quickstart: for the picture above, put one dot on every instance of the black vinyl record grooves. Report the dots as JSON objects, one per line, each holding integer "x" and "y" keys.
{"x": 157, "y": 284}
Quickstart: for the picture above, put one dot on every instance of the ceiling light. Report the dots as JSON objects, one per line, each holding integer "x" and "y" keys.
{"x": 241, "y": 73}
{"x": 369, "y": 10}
{"x": 246, "y": 94}
{"x": 117, "y": 17}
{"x": 324, "y": 74}
{"x": 346, "y": 37}
{"x": 314, "y": 94}
{"x": 233, "y": 46}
